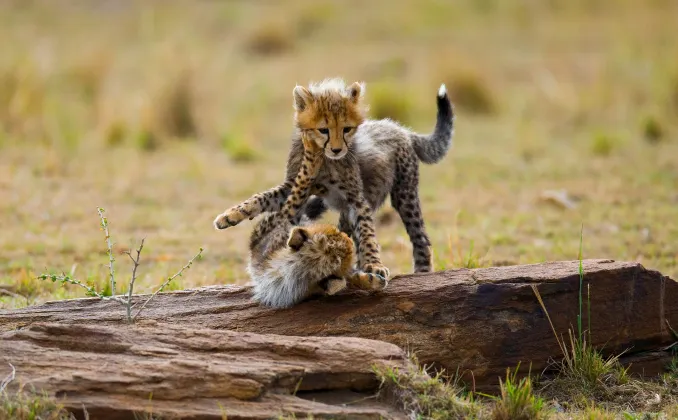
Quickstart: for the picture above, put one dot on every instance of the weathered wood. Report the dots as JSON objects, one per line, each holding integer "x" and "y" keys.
{"x": 176, "y": 370}
{"x": 481, "y": 320}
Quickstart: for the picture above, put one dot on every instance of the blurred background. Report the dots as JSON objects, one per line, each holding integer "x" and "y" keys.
{"x": 165, "y": 113}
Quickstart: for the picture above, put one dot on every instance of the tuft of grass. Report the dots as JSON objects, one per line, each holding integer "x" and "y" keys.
{"x": 175, "y": 108}
{"x": 146, "y": 139}
{"x": 270, "y": 38}
{"x": 423, "y": 396}
{"x": 115, "y": 134}
{"x": 584, "y": 373}
{"x": 458, "y": 256}
{"x": 653, "y": 132}
{"x": 238, "y": 149}
{"x": 30, "y": 406}
{"x": 88, "y": 75}
{"x": 594, "y": 413}
{"x": 602, "y": 144}
{"x": 471, "y": 94}
{"x": 517, "y": 400}
{"x": 313, "y": 17}
{"x": 387, "y": 101}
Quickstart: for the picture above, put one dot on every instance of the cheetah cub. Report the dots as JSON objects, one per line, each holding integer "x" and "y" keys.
{"x": 365, "y": 161}
{"x": 290, "y": 263}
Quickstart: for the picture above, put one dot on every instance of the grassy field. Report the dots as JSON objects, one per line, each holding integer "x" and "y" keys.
{"x": 165, "y": 113}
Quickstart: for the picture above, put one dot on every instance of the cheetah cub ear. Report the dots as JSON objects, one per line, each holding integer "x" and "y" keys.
{"x": 356, "y": 91}
{"x": 302, "y": 98}
{"x": 297, "y": 238}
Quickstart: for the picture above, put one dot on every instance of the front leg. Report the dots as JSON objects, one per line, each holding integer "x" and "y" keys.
{"x": 369, "y": 257}
{"x": 366, "y": 281}
{"x": 303, "y": 183}
{"x": 268, "y": 201}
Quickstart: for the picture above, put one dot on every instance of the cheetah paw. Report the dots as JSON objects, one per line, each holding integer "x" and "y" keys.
{"x": 377, "y": 269}
{"x": 377, "y": 281}
{"x": 230, "y": 217}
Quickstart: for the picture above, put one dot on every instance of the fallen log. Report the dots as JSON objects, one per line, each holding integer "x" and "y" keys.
{"x": 176, "y": 371}
{"x": 480, "y": 321}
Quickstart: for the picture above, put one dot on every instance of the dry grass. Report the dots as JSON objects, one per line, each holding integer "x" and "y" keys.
{"x": 422, "y": 396}
{"x": 89, "y": 91}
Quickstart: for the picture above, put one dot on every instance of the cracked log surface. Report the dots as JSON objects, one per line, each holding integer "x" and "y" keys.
{"x": 481, "y": 320}
{"x": 198, "y": 373}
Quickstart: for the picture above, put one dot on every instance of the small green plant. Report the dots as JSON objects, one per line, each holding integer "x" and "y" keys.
{"x": 146, "y": 139}
{"x": 652, "y": 130}
{"x": 594, "y": 413}
{"x": 423, "y": 396}
{"x": 387, "y": 101}
{"x": 115, "y": 133}
{"x": 237, "y": 149}
{"x": 517, "y": 400}
{"x": 270, "y": 38}
{"x": 174, "y": 108}
{"x": 603, "y": 144}
{"x": 471, "y": 94}
{"x": 125, "y": 299}
{"x": 456, "y": 256}
{"x": 20, "y": 405}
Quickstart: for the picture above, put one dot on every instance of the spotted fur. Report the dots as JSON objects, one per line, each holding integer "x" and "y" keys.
{"x": 377, "y": 158}
{"x": 289, "y": 263}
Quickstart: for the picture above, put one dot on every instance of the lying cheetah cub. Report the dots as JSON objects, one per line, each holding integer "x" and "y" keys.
{"x": 290, "y": 263}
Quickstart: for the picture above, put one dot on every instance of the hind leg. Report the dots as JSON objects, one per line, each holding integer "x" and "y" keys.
{"x": 332, "y": 285}
{"x": 405, "y": 200}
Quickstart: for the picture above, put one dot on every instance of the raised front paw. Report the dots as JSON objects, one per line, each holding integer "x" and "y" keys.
{"x": 230, "y": 217}
{"x": 378, "y": 269}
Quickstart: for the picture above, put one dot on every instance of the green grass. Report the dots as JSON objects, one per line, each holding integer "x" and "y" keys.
{"x": 387, "y": 100}
{"x": 471, "y": 95}
{"x": 28, "y": 406}
{"x": 517, "y": 400}
{"x": 423, "y": 396}
{"x": 603, "y": 144}
{"x": 99, "y": 115}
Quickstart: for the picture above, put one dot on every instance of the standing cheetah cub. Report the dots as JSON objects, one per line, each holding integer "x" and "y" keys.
{"x": 366, "y": 160}
{"x": 290, "y": 263}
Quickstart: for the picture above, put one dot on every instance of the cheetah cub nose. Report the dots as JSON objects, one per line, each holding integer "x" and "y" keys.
{"x": 336, "y": 151}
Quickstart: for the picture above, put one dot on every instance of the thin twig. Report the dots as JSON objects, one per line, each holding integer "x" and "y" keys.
{"x": 104, "y": 226}
{"x": 169, "y": 279}
{"x": 133, "y": 279}
{"x": 9, "y": 378}
{"x": 90, "y": 291}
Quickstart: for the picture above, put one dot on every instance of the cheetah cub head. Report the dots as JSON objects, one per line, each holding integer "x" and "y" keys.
{"x": 329, "y": 113}
{"x": 325, "y": 245}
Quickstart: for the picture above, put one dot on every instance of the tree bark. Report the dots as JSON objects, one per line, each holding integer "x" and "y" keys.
{"x": 185, "y": 372}
{"x": 478, "y": 321}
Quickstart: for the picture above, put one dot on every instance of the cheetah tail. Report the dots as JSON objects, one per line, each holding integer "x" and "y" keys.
{"x": 433, "y": 147}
